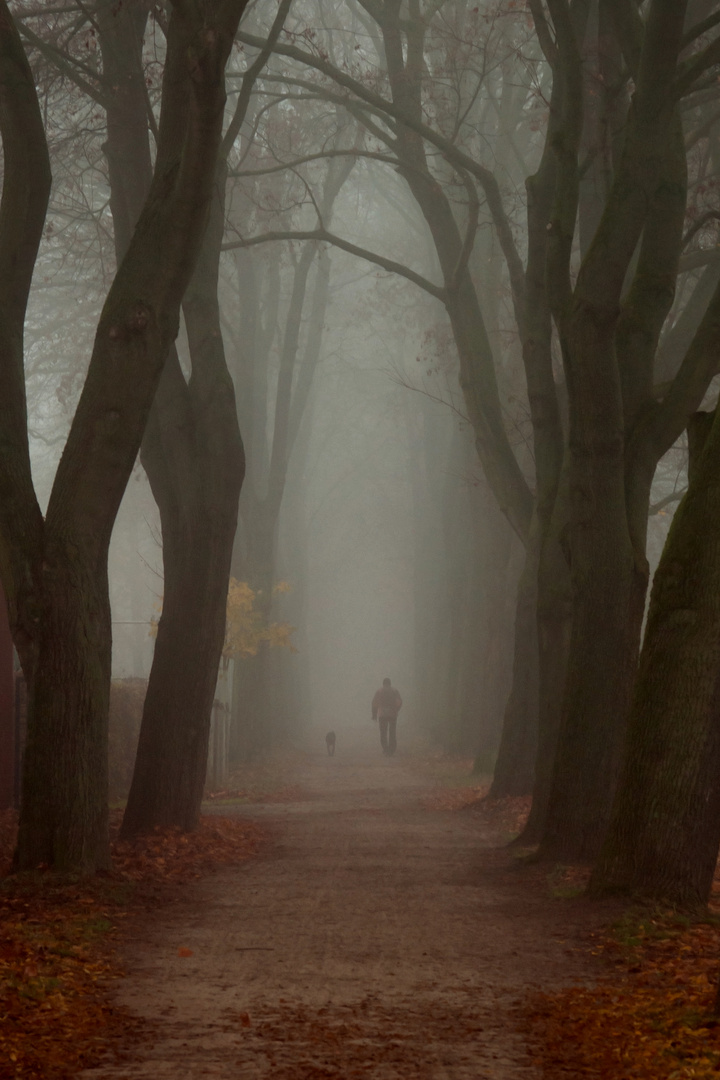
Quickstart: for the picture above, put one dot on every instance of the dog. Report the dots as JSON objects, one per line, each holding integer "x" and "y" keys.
{"x": 330, "y": 743}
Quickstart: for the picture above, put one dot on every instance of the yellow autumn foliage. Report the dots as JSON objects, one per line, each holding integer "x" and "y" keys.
{"x": 244, "y": 628}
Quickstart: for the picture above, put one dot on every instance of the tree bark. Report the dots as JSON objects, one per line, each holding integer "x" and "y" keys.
{"x": 531, "y": 720}
{"x": 554, "y": 624}
{"x": 64, "y": 823}
{"x": 609, "y": 343}
{"x": 193, "y": 456}
{"x": 515, "y": 768}
{"x": 663, "y": 839}
{"x": 194, "y": 459}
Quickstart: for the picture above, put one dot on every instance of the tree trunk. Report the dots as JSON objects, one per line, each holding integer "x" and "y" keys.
{"x": 609, "y": 337}
{"x": 608, "y": 589}
{"x": 515, "y": 768}
{"x": 541, "y": 671}
{"x": 554, "y": 624}
{"x": 194, "y": 459}
{"x": 55, "y": 572}
{"x": 169, "y": 775}
{"x": 64, "y": 819}
{"x": 193, "y": 456}
{"x": 665, "y": 831}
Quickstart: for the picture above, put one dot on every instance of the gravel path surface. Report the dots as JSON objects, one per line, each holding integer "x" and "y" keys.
{"x": 374, "y": 939}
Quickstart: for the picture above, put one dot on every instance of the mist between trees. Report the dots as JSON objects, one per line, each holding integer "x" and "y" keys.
{"x": 410, "y": 306}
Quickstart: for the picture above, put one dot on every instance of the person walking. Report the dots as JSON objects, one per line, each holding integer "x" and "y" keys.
{"x": 386, "y": 705}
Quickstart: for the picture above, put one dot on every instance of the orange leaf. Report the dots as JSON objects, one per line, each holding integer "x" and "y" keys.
{"x": 185, "y": 952}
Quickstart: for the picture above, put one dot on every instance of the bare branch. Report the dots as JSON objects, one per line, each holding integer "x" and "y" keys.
{"x": 690, "y": 70}
{"x": 250, "y": 78}
{"x": 470, "y": 232}
{"x": 701, "y": 131}
{"x": 658, "y": 507}
{"x": 316, "y": 157}
{"x": 399, "y": 380}
{"x": 362, "y": 253}
{"x": 64, "y": 63}
{"x": 669, "y": 418}
{"x": 709, "y": 215}
{"x": 701, "y": 28}
{"x": 694, "y": 260}
{"x": 452, "y": 153}
{"x": 542, "y": 29}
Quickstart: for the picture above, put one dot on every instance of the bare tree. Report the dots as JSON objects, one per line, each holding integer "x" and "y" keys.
{"x": 55, "y": 569}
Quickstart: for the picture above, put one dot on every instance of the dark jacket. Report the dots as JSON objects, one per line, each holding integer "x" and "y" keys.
{"x": 386, "y": 704}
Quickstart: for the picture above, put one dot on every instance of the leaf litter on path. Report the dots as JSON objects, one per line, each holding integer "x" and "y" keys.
{"x": 652, "y": 1017}
{"x": 57, "y": 939}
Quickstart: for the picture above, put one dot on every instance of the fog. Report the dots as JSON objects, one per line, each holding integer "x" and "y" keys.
{"x": 372, "y": 518}
{"x": 350, "y": 351}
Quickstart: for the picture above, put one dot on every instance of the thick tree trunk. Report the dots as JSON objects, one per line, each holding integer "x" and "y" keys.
{"x": 542, "y": 626}
{"x": 665, "y": 831}
{"x": 515, "y": 768}
{"x": 554, "y": 624}
{"x": 169, "y": 775}
{"x": 589, "y": 644}
{"x": 193, "y": 456}
{"x": 64, "y": 819}
{"x": 608, "y": 587}
{"x": 194, "y": 459}
{"x": 609, "y": 337}
{"x": 55, "y": 572}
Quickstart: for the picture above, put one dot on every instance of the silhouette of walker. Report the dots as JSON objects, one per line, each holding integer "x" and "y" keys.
{"x": 386, "y": 705}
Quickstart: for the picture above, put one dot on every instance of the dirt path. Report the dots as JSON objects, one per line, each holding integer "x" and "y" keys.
{"x": 375, "y": 939}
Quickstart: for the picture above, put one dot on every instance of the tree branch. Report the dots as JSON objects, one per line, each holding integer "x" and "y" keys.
{"x": 250, "y": 78}
{"x": 542, "y": 29}
{"x": 690, "y": 70}
{"x": 453, "y": 154}
{"x": 704, "y": 129}
{"x": 316, "y": 157}
{"x": 668, "y": 419}
{"x": 709, "y": 215}
{"x": 694, "y": 260}
{"x": 140, "y": 317}
{"x": 566, "y": 144}
{"x": 362, "y": 253}
{"x": 63, "y": 63}
{"x": 470, "y": 233}
{"x": 659, "y": 506}
{"x": 700, "y": 28}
